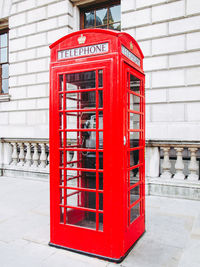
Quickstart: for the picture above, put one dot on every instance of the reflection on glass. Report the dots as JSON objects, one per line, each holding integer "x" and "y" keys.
{"x": 5, "y": 71}
{"x": 115, "y": 26}
{"x": 100, "y": 75}
{"x": 114, "y": 14}
{"x": 60, "y": 82}
{"x": 134, "y": 121}
{"x": 101, "y": 16}
{"x": 134, "y": 158}
{"x": 89, "y": 20}
{"x": 134, "y": 84}
{"x": 76, "y": 198}
{"x": 5, "y": 86}
{"x": 81, "y": 80}
{"x": 134, "y": 176}
{"x": 81, "y": 100}
{"x": 134, "y": 194}
{"x": 100, "y": 201}
{"x": 4, "y": 39}
{"x": 100, "y": 99}
{"x": 100, "y": 160}
{"x": 100, "y": 221}
{"x": 83, "y": 139}
{"x": 134, "y": 102}
{"x": 134, "y": 212}
{"x": 134, "y": 139}
{"x": 3, "y": 55}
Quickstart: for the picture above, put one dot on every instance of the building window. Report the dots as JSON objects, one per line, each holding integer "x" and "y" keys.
{"x": 4, "y": 73}
{"x": 106, "y": 16}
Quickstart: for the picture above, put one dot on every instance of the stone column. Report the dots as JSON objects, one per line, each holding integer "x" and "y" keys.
{"x": 193, "y": 166}
{"x": 179, "y": 166}
{"x": 166, "y": 174}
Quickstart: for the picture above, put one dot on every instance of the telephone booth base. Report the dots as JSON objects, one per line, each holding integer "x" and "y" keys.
{"x": 99, "y": 256}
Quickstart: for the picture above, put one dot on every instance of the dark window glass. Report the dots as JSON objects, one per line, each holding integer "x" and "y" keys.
{"x": 107, "y": 16}
{"x": 4, "y": 67}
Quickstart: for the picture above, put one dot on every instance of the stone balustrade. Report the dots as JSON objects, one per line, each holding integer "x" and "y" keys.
{"x": 24, "y": 155}
{"x": 172, "y": 169}
{"x": 178, "y": 161}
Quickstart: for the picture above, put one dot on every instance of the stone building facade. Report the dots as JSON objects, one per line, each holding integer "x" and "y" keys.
{"x": 168, "y": 32}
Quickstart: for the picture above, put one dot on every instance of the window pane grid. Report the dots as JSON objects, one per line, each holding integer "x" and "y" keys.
{"x": 81, "y": 116}
{"x": 135, "y": 150}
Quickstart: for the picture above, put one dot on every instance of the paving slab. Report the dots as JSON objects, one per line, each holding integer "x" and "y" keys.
{"x": 172, "y": 236}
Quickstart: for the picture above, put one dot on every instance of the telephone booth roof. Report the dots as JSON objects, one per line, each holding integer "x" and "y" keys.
{"x": 88, "y": 37}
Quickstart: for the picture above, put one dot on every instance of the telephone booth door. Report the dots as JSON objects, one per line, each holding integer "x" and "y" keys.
{"x": 96, "y": 143}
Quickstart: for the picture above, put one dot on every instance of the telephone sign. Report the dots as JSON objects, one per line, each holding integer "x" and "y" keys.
{"x": 97, "y": 142}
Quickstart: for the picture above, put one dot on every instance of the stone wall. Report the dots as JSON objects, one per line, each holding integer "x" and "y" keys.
{"x": 169, "y": 35}
{"x": 34, "y": 25}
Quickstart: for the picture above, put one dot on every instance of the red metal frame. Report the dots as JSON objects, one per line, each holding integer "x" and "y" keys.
{"x": 113, "y": 233}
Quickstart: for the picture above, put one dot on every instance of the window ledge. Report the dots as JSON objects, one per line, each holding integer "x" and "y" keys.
{"x": 4, "y": 98}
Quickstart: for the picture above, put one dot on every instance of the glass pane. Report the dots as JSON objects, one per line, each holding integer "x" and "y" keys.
{"x": 81, "y": 218}
{"x": 81, "y": 120}
{"x": 5, "y": 73}
{"x": 100, "y": 99}
{"x": 100, "y": 201}
{"x": 101, "y": 140}
{"x": 134, "y": 212}
{"x": 61, "y": 214}
{"x": 61, "y": 120}
{"x": 115, "y": 26}
{"x": 60, "y": 101}
{"x": 100, "y": 221}
{"x": 5, "y": 86}
{"x": 134, "y": 84}
{"x": 61, "y": 139}
{"x": 101, "y": 16}
{"x": 82, "y": 179}
{"x": 3, "y": 56}
{"x": 134, "y": 176}
{"x": 83, "y": 139}
{"x": 81, "y": 100}
{"x": 100, "y": 160}
{"x": 134, "y": 121}
{"x": 89, "y": 19}
{"x": 60, "y": 82}
{"x": 61, "y": 159}
{"x": 134, "y": 139}
{"x": 134, "y": 157}
{"x": 100, "y": 73}
{"x": 134, "y": 194}
{"x": 76, "y": 198}
{"x": 4, "y": 40}
{"x": 114, "y": 14}
{"x": 81, "y": 80}
{"x": 101, "y": 120}
{"x": 134, "y": 102}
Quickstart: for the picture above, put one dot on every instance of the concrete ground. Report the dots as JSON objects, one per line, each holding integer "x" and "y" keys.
{"x": 172, "y": 235}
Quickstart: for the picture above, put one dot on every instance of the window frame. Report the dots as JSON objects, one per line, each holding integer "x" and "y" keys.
{"x": 2, "y": 31}
{"x": 95, "y": 7}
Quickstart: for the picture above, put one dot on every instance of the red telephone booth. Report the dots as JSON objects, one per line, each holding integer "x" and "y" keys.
{"x": 97, "y": 142}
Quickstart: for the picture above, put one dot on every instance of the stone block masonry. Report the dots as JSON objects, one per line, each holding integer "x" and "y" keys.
{"x": 33, "y": 25}
{"x": 169, "y": 36}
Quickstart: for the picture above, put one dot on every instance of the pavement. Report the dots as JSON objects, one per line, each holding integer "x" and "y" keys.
{"x": 172, "y": 235}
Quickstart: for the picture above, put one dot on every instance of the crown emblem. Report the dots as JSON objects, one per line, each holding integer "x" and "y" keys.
{"x": 131, "y": 45}
{"x": 81, "y": 39}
